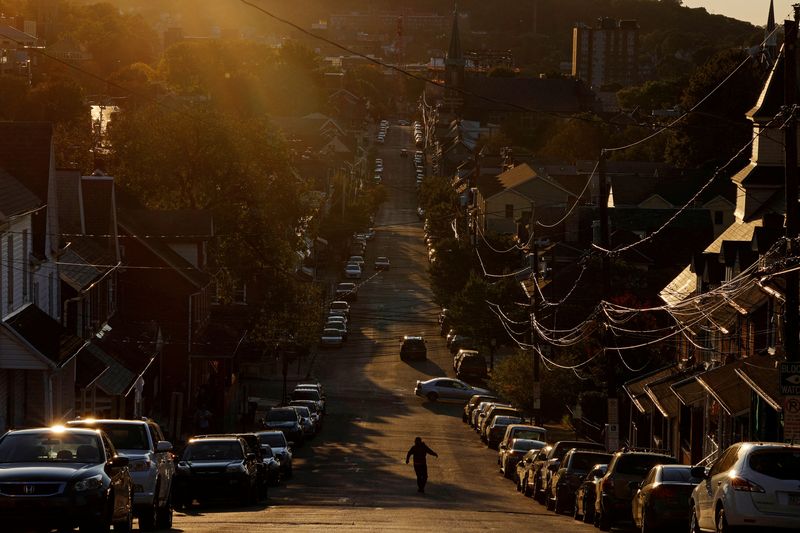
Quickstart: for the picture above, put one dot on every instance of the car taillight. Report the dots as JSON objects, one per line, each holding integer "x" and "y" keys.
{"x": 744, "y": 485}
{"x": 607, "y": 485}
{"x": 665, "y": 491}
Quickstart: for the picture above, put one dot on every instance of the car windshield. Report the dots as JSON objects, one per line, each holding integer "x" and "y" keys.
{"x": 266, "y": 451}
{"x": 213, "y": 451}
{"x": 583, "y": 462}
{"x": 48, "y": 447}
{"x": 534, "y": 434}
{"x": 678, "y": 475}
{"x": 525, "y": 445}
{"x": 302, "y": 410}
{"x": 506, "y": 420}
{"x": 275, "y": 440}
{"x": 125, "y": 436}
{"x": 305, "y": 394}
{"x": 282, "y": 415}
{"x": 639, "y": 465}
{"x": 779, "y": 464}
{"x": 308, "y": 404}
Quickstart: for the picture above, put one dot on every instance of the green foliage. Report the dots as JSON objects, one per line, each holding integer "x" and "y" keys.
{"x": 651, "y": 95}
{"x": 718, "y": 128}
{"x": 502, "y": 72}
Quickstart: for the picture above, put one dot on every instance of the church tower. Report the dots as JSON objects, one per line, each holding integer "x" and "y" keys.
{"x": 770, "y": 47}
{"x": 454, "y": 66}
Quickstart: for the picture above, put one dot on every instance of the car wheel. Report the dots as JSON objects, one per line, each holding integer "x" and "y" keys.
{"x": 526, "y": 488}
{"x": 149, "y": 516}
{"x": 575, "y": 514}
{"x": 557, "y": 507}
{"x": 588, "y": 513}
{"x": 694, "y": 523}
{"x": 126, "y": 524}
{"x": 432, "y": 396}
{"x": 164, "y": 516}
{"x": 603, "y": 521}
{"x": 722, "y": 522}
{"x": 549, "y": 503}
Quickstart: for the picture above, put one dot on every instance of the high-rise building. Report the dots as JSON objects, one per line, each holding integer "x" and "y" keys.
{"x": 607, "y": 53}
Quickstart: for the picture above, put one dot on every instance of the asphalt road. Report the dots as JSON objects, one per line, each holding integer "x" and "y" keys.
{"x": 353, "y": 476}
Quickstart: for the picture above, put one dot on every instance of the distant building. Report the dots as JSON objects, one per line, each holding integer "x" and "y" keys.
{"x": 607, "y": 53}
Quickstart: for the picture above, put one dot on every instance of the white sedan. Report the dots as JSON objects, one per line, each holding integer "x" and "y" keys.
{"x": 446, "y": 389}
{"x": 352, "y": 271}
{"x": 382, "y": 263}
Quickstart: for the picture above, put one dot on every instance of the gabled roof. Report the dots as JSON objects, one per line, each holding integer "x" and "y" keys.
{"x": 735, "y": 232}
{"x": 771, "y": 99}
{"x": 141, "y": 224}
{"x": 44, "y": 335}
{"x": 25, "y": 151}
{"x": 17, "y": 37}
{"x": 83, "y": 262}
{"x": 15, "y": 198}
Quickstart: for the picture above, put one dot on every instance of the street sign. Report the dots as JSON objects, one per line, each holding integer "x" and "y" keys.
{"x": 612, "y": 437}
{"x": 790, "y": 379}
{"x": 791, "y": 419}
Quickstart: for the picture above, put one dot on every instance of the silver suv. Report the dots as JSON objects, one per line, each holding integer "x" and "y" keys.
{"x": 151, "y": 466}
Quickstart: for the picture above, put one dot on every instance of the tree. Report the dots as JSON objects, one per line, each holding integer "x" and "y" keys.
{"x": 718, "y": 128}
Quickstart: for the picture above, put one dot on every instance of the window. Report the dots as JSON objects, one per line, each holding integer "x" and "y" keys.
{"x": 509, "y": 210}
{"x": 718, "y": 217}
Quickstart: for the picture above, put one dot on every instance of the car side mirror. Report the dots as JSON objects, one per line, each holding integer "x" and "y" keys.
{"x": 698, "y": 472}
{"x": 164, "y": 446}
{"x": 251, "y": 456}
{"x": 503, "y": 446}
{"x": 119, "y": 462}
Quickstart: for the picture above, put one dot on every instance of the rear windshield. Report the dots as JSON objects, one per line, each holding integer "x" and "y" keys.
{"x": 213, "y": 451}
{"x": 282, "y": 415}
{"x": 477, "y": 361}
{"x": 126, "y": 436}
{"x": 310, "y": 405}
{"x": 525, "y": 445}
{"x": 303, "y": 410}
{"x": 534, "y": 434}
{"x": 562, "y": 448}
{"x": 778, "y": 464}
{"x": 506, "y": 420}
{"x": 276, "y": 440}
{"x": 583, "y": 462}
{"x": 307, "y": 394}
{"x": 678, "y": 475}
{"x": 640, "y": 465}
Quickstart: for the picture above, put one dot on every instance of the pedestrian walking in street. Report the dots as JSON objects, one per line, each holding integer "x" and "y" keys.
{"x": 420, "y": 451}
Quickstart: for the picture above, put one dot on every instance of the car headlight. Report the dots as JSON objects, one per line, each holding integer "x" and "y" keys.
{"x": 90, "y": 483}
{"x": 235, "y": 467}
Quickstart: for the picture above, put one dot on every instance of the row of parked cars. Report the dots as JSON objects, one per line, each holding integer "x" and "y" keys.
{"x": 749, "y": 484}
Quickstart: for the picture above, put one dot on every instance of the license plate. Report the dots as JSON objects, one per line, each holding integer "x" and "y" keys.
{"x": 794, "y": 499}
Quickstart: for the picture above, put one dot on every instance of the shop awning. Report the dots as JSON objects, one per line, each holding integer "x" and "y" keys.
{"x": 761, "y": 375}
{"x": 726, "y": 387}
{"x": 660, "y": 393}
{"x": 635, "y": 387}
{"x": 688, "y": 391}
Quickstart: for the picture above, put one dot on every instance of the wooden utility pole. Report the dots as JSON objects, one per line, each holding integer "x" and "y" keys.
{"x": 537, "y": 385}
{"x": 612, "y": 429}
{"x": 792, "y": 278}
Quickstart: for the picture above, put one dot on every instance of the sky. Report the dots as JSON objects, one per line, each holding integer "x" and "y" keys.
{"x": 753, "y": 11}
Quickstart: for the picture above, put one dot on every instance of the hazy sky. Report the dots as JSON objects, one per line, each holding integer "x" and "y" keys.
{"x": 754, "y": 11}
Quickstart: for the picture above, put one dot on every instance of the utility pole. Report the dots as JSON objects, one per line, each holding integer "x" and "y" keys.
{"x": 537, "y": 385}
{"x": 792, "y": 278}
{"x": 612, "y": 429}
{"x": 789, "y": 430}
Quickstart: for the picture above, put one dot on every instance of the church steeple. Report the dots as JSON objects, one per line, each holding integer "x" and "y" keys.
{"x": 454, "y": 54}
{"x": 770, "y": 35}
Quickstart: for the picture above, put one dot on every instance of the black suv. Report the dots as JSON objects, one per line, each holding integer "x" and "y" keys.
{"x": 553, "y": 463}
{"x": 413, "y": 348}
{"x": 614, "y": 493}
{"x": 576, "y": 464}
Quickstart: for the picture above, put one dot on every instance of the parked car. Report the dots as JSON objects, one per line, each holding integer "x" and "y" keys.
{"x": 530, "y": 475}
{"x": 272, "y": 464}
{"x": 586, "y": 494}
{"x": 403, "y": 152}
{"x": 340, "y": 307}
{"x": 382, "y": 263}
{"x": 662, "y": 498}
{"x": 473, "y": 402}
{"x": 566, "y": 480}
{"x": 497, "y": 428}
{"x": 352, "y": 271}
{"x": 480, "y": 413}
{"x": 151, "y": 466}
{"x": 413, "y": 348}
{"x": 522, "y": 431}
{"x": 216, "y": 468}
{"x": 309, "y": 428}
{"x": 751, "y": 484}
{"x": 252, "y": 445}
{"x": 331, "y": 337}
{"x": 313, "y": 407}
{"x": 446, "y": 389}
{"x": 339, "y": 326}
{"x": 62, "y": 478}
{"x": 316, "y": 385}
{"x": 553, "y": 462}
{"x": 488, "y": 418}
{"x": 346, "y": 290}
{"x": 471, "y": 366}
{"x": 509, "y": 456}
{"x": 301, "y": 392}
{"x": 461, "y": 341}
{"x": 277, "y": 442}
{"x": 357, "y": 259}
{"x": 287, "y": 420}
{"x": 625, "y": 471}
